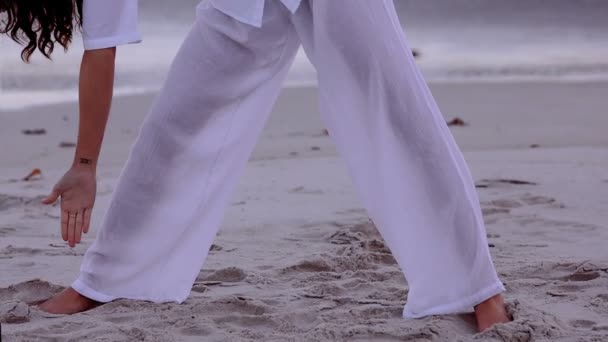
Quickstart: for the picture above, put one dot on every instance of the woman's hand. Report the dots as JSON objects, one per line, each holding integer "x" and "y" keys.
{"x": 78, "y": 186}
{"x": 77, "y": 189}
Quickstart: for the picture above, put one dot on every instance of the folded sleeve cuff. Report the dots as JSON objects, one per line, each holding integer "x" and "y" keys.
{"x": 113, "y": 41}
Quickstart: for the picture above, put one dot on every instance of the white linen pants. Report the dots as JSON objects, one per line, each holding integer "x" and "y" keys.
{"x": 175, "y": 188}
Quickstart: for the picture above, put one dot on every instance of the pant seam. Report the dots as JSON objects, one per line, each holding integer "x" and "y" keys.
{"x": 229, "y": 130}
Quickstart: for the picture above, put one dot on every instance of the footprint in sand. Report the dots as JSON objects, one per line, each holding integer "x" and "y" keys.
{"x": 367, "y": 228}
{"x": 348, "y": 234}
{"x": 583, "y": 276}
{"x": 120, "y": 318}
{"x": 303, "y": 190}
{"x": 228, "y": 275}
{"x": 195, "y": 330}
{"x": 323, "y": 291}
{"x": 566, "y": 289}
{"x": 57, "y": 250}
{"x": 344, "y": 237}
{"x": 570, "y": 225}
{"x": 265, "y": 267}
{"x": 602, "y": 297}
{"x": 530, "y": 199}
{"x": 374, "y": 246}
{"x": 14, "y": 312}
{"x": 17, "y": 302}
{"x": 582, "y": 323}
{"x": 355, "y": 257}
{"x": 67, "y": 327}
{"x": 506, "y": 205}
{"x": 374, "y": 276}
{"x": 358, "y": 211}
{"x": 9, "y": 202}
{"x": 576, "y": 272}
{"x": 494, "y": 211}
{"x": 233, "y": 305}
{"x": 30, "y": 292}
{"x": 4, "y": 231}
{"x": 379, "y": 311}
{"x": 318, "y": 265}
{"x": 600, "y": 304}
{"x": 199, "y": 288}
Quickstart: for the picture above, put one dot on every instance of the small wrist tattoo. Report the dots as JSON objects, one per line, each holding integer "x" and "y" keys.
{"x": 86, "y": 161}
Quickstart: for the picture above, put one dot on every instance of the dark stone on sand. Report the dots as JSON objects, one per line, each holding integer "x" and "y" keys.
{"x": 315, "y": 148}
{"x": 515, "y": 181}
{"x": 215, "y": 247}
{"x": 534, "y": 146}
{"x": 457, "y": 122}
{"x": 296, "y": 190}
{"x": 66, "y": 144}
{"x": 323, "y": 133}
{"x": 416, "y": 53}
{"x": 38, "y": 131}
{"x": 486, "y": 183}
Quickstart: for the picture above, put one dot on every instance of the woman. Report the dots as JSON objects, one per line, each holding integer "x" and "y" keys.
{"x": 176, "y": 185}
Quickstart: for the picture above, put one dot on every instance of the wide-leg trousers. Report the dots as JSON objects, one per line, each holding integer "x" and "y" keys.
{"x": 195, "y": 142}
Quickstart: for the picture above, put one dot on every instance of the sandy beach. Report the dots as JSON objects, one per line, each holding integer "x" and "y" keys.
{"x": 297, "y": 258}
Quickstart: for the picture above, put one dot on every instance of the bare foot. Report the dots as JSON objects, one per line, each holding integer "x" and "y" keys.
{"x": 490, "y": 312}
{"x": 68, "y": 302}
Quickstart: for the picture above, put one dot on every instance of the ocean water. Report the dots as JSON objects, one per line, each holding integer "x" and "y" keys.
{"x": 458, "y": 40}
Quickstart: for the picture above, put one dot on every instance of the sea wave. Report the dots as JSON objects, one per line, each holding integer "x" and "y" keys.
{"x": 459, "y": 40}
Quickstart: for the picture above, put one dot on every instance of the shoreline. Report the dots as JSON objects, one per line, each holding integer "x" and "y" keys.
{"x": 68, "y": 96}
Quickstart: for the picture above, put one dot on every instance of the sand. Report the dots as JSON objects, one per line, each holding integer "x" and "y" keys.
{"x": 298, "y": 260}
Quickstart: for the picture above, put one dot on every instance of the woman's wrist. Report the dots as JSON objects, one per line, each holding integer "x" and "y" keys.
{"x": 84, "y": 163}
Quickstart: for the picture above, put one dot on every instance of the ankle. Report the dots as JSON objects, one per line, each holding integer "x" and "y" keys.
{"x": 494, "y": 301}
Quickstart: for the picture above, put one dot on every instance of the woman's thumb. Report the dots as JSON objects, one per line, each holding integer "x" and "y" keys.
{"x": 52, "y": 198}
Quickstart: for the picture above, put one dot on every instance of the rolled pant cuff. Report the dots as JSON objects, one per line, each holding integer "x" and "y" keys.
{"x": 460, "y": 306}
{"x": 80, "y": 287}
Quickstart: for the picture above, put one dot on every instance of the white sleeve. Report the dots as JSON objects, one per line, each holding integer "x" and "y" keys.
{"x": 109, "y": 23}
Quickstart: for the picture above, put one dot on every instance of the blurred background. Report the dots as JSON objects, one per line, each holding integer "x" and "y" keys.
{"x": 457, "y": 40}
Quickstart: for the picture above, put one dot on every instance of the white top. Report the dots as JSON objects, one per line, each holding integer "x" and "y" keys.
{"x": 249, "y": 11}
{"x": 109, "y": 23}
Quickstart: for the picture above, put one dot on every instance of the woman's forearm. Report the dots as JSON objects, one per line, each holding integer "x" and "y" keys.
{"x": 95, "y": 94}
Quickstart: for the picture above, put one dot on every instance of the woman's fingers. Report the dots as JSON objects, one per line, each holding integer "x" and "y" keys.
{"x": 64, "y": 224}
{"x": 87, "y": 220}
{"x": 72, "y": 228}
{"x": 74, "y": 224}
{"x": 79, "y": 226}
{"x": 51, "y": 198}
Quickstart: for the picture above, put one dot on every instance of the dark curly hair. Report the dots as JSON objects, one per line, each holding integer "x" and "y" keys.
{"x": 40, "y": 24}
